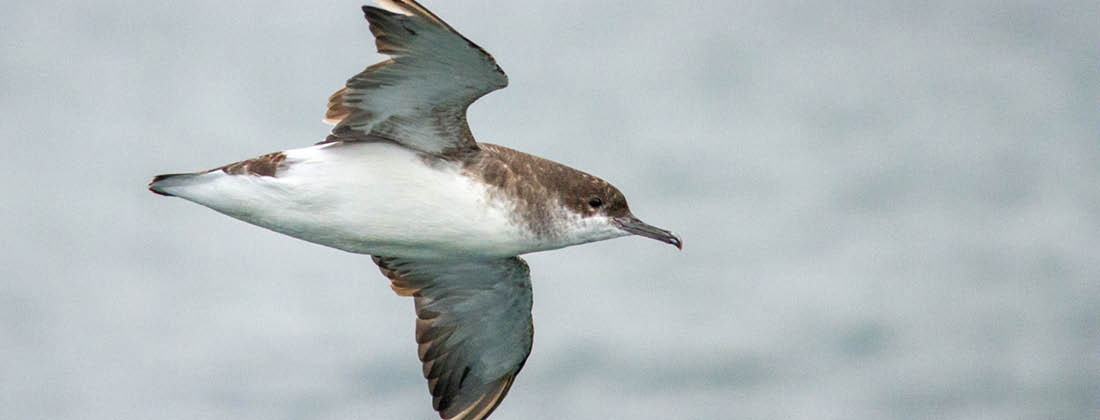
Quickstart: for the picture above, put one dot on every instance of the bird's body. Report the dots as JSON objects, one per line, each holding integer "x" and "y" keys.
{"x": 444, "y": 217}
{"x": 366, "y": 197}
{"x": 362, "y": 198}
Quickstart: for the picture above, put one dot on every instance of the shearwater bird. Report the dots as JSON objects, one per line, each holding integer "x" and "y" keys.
{"x": 444, "y": 217}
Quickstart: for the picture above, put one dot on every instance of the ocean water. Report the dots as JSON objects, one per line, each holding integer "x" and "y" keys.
{"x": 890, "y": 211}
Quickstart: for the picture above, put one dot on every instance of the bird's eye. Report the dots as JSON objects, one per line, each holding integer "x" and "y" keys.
{"x": 595, "y": 202}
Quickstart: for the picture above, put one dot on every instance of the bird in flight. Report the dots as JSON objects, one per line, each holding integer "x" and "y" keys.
{"x": 444, "y": 217}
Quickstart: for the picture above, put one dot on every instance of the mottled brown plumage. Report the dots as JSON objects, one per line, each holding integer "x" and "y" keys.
{"x": 541, "y": 187}
{"x": 265, "y": 165}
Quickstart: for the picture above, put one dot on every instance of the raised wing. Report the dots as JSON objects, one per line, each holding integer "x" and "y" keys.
{"x": 419, "y": 96}
{"x": 473, "y": 328}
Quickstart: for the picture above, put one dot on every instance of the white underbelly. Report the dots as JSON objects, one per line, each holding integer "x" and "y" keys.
{"x": 369, "y": 198}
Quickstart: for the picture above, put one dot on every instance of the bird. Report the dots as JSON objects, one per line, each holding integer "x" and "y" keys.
{"x": 443, "y": 216}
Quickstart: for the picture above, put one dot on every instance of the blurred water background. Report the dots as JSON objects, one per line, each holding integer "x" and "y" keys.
{"x": 891, "y": 210}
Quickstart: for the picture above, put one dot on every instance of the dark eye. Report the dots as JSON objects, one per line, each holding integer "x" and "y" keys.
{"x": 595, "y": 202}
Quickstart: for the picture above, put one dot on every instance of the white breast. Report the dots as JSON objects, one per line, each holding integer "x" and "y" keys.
{"x": 370, "y": 198}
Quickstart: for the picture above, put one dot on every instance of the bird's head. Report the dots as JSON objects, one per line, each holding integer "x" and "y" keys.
{"x": 602, "y": 210}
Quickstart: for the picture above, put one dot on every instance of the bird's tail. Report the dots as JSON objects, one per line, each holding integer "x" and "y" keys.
{"x": 164, "y": 184}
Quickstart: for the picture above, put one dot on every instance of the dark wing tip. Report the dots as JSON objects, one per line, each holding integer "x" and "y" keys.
{"x": 371, "y": 11}
{"x": 377, "y": 16}
{"x": 485, "y": 404}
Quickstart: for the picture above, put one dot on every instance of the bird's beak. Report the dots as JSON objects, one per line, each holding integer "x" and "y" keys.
{"x": 632, "y": 225}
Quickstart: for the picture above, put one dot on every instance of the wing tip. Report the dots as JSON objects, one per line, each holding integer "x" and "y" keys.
{"x": 371, "y": 11}
{"x": 392, "y": 7}
{"x": 484, "y": 406}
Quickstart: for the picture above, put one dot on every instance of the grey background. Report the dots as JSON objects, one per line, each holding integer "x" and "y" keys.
{"x": 890, "y": 210}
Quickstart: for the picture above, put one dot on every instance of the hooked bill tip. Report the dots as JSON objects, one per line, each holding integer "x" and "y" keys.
{"x": 634, "y": 226}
